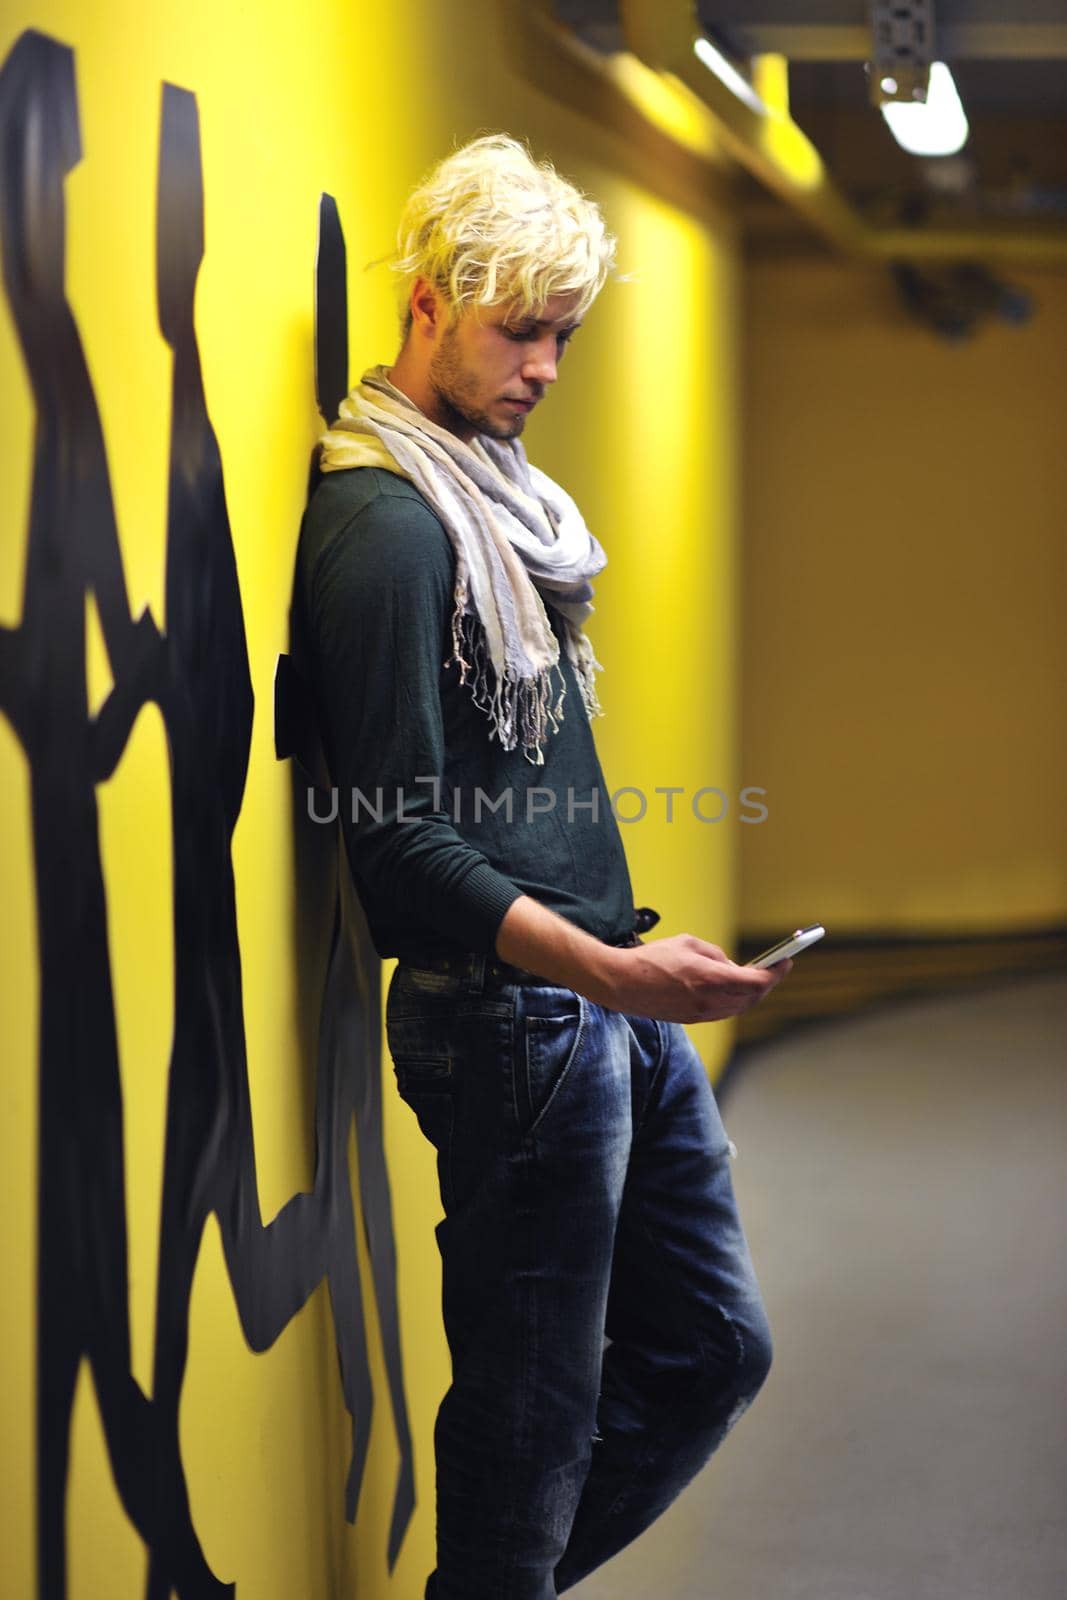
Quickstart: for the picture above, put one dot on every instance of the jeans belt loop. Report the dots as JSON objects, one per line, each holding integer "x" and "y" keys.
{"x": 476, "y": 971}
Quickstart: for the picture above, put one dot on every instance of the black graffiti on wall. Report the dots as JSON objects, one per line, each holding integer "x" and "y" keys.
{"x": 197, "y": 673}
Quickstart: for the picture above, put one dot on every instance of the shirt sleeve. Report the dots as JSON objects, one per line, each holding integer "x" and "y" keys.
{"x": 379, "y": 605}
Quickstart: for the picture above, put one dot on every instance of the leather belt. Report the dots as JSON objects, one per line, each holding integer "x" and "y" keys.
{"x": 476, "y": 970}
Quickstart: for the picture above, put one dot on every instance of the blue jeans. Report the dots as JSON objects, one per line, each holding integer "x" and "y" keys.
{"x": 586, "y": 1186}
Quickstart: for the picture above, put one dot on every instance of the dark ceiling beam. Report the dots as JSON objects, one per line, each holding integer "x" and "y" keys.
{"x": 764, "y": 139}
{"x": 816, "y": 41}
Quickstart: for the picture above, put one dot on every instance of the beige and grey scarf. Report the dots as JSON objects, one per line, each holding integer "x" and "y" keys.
{"x": 520, "y": 541}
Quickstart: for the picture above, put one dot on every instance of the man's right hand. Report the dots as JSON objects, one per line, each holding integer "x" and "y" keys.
{"x": 681, "y": 979}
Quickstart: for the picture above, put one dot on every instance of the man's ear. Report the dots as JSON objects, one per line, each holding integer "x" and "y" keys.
{"x": 428, "y": 307}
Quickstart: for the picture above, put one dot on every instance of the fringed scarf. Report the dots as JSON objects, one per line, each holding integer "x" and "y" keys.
{"x": 519, "y": 540}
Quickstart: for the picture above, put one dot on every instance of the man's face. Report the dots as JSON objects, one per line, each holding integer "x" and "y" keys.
{"x": 491, "y": 366}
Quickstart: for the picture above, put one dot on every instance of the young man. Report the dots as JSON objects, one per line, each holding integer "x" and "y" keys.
{"x": 582, "y": 1161}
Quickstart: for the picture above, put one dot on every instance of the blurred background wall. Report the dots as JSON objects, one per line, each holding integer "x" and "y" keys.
{"x": 903, "y": 636}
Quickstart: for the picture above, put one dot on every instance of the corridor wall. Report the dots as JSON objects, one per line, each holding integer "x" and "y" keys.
{"x": 270, "y": 108}
{"x": 903, "y": 599}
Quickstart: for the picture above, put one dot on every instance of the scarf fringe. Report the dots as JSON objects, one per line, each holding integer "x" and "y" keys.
{"x": 521, "y": 711}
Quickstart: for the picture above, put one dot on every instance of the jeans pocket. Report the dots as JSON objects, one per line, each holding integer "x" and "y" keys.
{"x": 425, "y": 1085}
{"x": 552, "y": 1037}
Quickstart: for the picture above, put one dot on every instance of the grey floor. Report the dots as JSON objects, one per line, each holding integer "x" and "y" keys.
{"x": 903, "y": 1184}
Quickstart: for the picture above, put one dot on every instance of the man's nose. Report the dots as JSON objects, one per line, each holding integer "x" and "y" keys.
{"x": 540, "y": 363}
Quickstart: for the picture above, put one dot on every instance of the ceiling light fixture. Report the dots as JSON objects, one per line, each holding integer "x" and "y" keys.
{"x": 728, "y": 74}
{"x": 936, "y": 127}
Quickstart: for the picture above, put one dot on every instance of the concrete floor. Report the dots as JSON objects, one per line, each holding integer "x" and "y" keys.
{"x": 903, "y": 1184}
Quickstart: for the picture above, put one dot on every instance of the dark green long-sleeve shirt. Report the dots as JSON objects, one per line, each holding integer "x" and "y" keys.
{"x": 376, "y": 574}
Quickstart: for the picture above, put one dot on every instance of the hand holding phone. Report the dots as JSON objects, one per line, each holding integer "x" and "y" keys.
{"x": 792, "y": 946}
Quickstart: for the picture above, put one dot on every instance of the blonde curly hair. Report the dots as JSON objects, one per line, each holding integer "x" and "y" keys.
{"x": 489, "y": 225}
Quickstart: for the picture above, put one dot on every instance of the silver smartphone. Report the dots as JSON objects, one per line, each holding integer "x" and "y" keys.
{"x": 792, "y": 946}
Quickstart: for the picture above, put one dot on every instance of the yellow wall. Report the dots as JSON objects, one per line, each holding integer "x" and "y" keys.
{"x": 903, "y": 615}
{"x": 357, "y": 102}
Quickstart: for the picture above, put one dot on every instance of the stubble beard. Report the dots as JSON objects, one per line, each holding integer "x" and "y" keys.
{"x": 457, "y": 388}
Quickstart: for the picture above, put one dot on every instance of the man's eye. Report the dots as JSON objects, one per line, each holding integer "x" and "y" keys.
{"x": 525, "y": 335}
